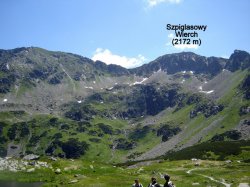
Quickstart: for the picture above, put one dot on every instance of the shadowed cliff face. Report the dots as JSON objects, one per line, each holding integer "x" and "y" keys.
{"x": 238, "y": 60}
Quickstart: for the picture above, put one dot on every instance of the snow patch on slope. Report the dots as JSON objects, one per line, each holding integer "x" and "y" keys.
{"x": 89, "y": 87}
{"x": 140, "y": 82}
{"x": 206, "y": 92}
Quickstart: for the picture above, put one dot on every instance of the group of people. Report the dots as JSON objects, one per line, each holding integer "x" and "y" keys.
{"x": 154, "y": 183}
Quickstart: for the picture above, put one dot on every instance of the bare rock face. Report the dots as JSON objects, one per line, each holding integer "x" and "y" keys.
{"x": 14, "y": 149}
{"x": 238, "y": 60}
{"x": 31, "y": 157}
{"x": 185, "y": 61}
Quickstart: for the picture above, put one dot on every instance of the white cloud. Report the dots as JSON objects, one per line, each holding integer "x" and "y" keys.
{"x": 108, "y": 57}
{"x": 152, "y": 3}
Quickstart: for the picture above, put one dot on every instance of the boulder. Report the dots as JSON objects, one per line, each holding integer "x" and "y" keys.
{"x": 31, "y": 157}
{"x": 58, "y": 171}
{"x": 30, "y": 170}
{"x": 73, "y": 181}
{"x": 53, "y": 158}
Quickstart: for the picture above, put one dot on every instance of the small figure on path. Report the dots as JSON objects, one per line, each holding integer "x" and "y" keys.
{"x": 154, "y": 183}
{"x": 137, "y": 183}
{"x": 168, "y": 183}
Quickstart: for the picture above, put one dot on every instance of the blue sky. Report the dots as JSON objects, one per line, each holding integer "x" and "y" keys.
{"x": 125, "y": 32}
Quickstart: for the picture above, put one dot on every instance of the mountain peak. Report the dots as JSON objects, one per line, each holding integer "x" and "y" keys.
{"x": 184, "y": 61}
{"x": 238, "y": 60}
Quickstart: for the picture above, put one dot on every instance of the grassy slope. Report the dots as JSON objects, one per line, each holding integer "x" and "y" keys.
{"x": 228, "y": 119}
{"x": 96, "y": 174}
{"x": 233, "y": 100}
{"x": 97, "y": 151}
{"x": 107, "y": 175}
{"x": 233, "y": 150}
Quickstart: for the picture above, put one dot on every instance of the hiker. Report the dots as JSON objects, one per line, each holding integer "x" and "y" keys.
{"x": 168, "y": 183}
{"x": 154, "y": 183}
{"x": 137, "y": 183}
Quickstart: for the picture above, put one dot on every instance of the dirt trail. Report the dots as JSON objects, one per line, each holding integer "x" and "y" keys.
{"x": 211, "y": 178}
{"x": 243, "y": 185}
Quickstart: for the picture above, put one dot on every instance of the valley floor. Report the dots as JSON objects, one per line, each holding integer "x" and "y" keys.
{"x": 184, "y": 173}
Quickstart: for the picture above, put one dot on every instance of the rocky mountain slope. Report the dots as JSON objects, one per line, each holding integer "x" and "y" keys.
{"x": 55, "y": 103}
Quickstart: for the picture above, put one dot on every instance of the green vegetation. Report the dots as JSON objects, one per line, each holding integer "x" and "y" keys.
{"x": 212, "y": 151}
{"x": 85, "y": 115}
{"x": 232, "y": 135}
{"x": 74, "y": 149}
{"x": 101, "y": 122}
{"x": 6, "y": 84}
{"x": 98, "y": 174}
{"x": 167, "y": 132}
